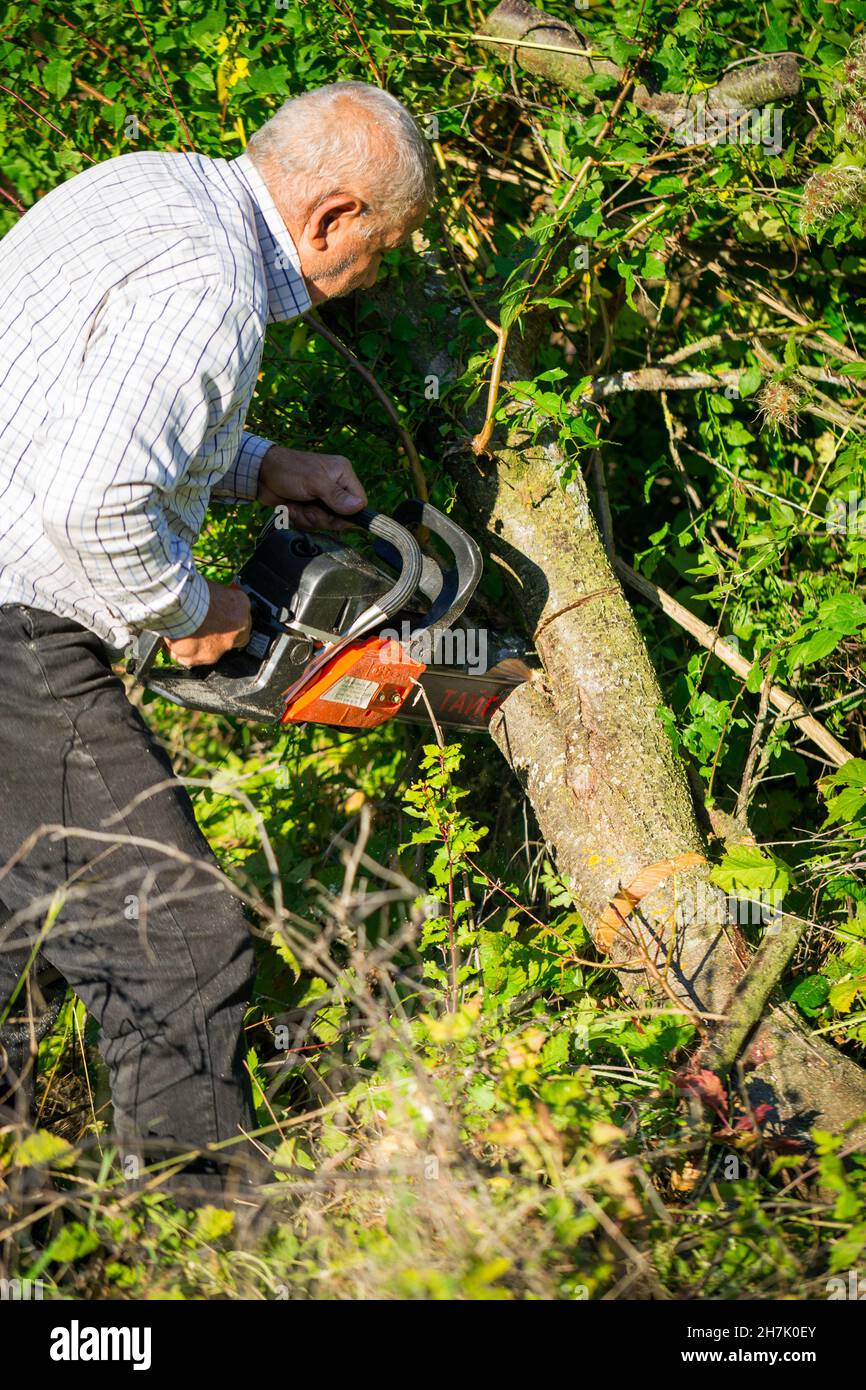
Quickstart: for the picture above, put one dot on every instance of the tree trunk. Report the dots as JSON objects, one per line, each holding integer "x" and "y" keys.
{"x": 610, "y": 795}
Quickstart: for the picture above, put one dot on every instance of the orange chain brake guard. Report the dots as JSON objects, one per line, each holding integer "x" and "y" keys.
{"x": 365, "y": 684}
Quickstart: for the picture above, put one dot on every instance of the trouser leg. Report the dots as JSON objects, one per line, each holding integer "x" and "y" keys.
{"x": 146, "y": 935}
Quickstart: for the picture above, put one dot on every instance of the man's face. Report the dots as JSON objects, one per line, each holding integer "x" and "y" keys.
{"x": 336, "y": 259}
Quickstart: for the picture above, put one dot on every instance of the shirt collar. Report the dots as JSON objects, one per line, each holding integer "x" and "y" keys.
{"x": 288, "y": 295}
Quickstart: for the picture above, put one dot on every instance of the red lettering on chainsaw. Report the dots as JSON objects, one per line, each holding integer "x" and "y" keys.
{"x": 470, "y": 705}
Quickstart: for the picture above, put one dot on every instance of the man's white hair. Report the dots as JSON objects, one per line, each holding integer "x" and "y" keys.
{"x": 317, "y": 145}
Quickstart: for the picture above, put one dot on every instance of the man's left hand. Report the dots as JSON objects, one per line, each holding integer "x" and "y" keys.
{"x": 298, "y": 480}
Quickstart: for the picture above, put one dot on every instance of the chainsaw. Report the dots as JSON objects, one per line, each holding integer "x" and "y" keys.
{"x": 343, "y": 639}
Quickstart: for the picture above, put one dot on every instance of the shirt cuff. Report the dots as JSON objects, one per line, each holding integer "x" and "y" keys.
{"x": 241, "y": 480}
{"x": 188, "y": 612}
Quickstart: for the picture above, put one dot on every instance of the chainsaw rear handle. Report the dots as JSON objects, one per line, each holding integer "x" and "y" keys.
{"x": 383, "y": 528}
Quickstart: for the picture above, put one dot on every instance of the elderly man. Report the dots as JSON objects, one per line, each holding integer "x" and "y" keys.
{"x": 131, "y": 333}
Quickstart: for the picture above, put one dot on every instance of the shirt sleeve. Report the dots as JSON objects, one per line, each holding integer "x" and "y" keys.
{"x": 160, "y": 376}
{"x": 241, "y": 481}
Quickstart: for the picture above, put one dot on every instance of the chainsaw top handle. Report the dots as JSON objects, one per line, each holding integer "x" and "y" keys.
{"x": 448, "y": 591}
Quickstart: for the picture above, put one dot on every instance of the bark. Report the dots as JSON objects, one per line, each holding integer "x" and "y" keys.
{"x": 753, "y": 992}
{"x": 741, "y": 90}
{"x": 609, "y": 793}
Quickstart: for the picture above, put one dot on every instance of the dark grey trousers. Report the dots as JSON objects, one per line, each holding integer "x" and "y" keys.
{"x": 131, "y": 916}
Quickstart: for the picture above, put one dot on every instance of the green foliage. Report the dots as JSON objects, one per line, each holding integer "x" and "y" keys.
{"x": 434, "y": 799}
{"x": 460, "y": 1107}
{"x": 845, "y": 791}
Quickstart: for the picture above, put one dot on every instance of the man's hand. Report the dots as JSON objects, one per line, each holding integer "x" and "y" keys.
{"x": 227, "y": 625}
{"x": 298, "y": 480}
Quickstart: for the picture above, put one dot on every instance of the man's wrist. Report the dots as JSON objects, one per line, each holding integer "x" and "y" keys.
{"x": 271, "y": 480}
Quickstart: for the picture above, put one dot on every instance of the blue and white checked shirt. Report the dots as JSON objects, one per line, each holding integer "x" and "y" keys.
{"x": 135, "y": 302}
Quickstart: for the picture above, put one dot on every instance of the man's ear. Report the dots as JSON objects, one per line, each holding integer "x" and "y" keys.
{"x": 333, "y": 217}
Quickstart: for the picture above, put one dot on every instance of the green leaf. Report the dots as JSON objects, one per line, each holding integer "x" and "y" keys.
{"x": 845, "y": 791}
{"x": 42, "y": 1149}
{"x": 751, "y": 868}
{"x": 847, "y": 612}
{"x": 664, "y": 187}
{"x": 750, "y": 380}
{"x": 845, "y": 992}
{"x": 72, "y": 1243}
{"x": 627, "y": 274}
{"x": 57, "y": 77}
{"x": 653, "y": 268}
{"x": 755, "y": 678}
{"x": 213, "y": 23}
{"x": 820, "y": 644}
{"x": 736, "y": 433}
{"x": 588, "y": 226}
{"x": 628, "y": 150}
{"x": 200, "y": 78}
{"x": 688, "y": 22}
{"x": 286, "y": 954}
{"x": 811, "y": 994}
{"x": 554, "y": 1054}
{"x": 268, "y": 80}
{"x": 213, "y": 1222}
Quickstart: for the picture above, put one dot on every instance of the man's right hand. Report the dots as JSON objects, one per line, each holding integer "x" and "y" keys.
{"x": 227, "y": 625}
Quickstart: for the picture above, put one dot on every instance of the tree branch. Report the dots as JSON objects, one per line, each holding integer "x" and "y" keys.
{"x": 561, "y": 54}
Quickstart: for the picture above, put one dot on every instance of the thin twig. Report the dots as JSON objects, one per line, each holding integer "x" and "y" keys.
{"x": 763, "y": 719}
{"x": 180, "y": 118}
{"x": 792, "y": 709}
